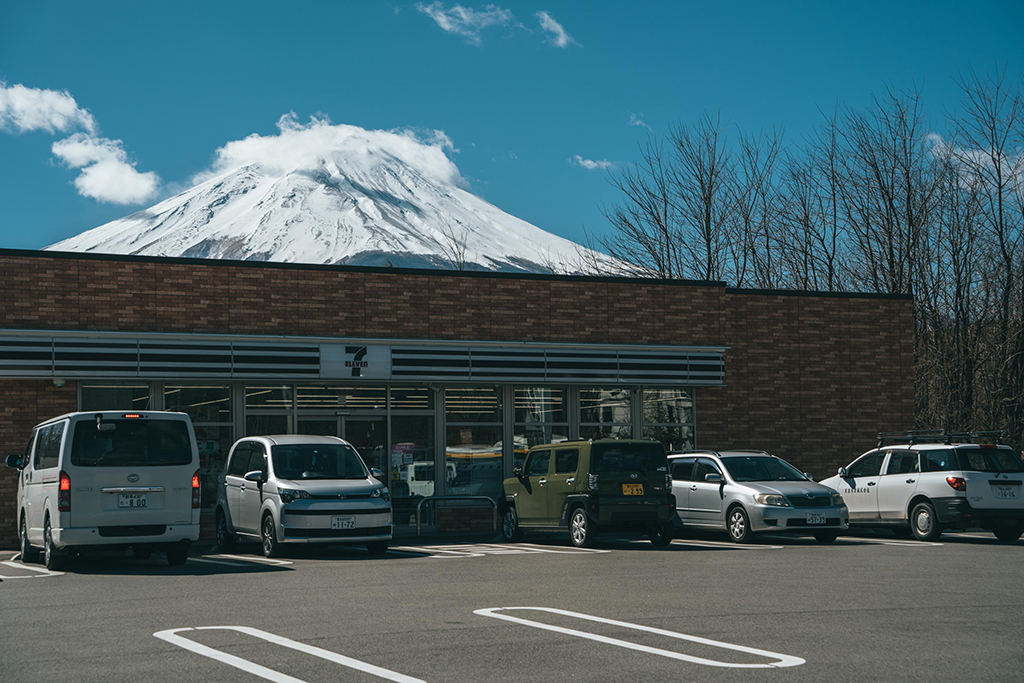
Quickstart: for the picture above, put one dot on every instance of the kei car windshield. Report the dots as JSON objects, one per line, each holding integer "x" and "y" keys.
{"x": 317, "y": 461}
{"x": 974, "y": 459}
{"x": 131, "y": 442}
{"x": 760, "y": 468}
{"x": 631, "y": 457}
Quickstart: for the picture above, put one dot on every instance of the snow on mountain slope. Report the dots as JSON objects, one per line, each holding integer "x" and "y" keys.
{"x": 323, "y": 193}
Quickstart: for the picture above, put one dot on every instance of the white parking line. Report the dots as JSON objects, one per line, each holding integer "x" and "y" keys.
{"x": 781, "y": 660}
{"x": 171, "y": 636}
{"x": 449, "y": 552}
{"x": 723, "y": 544}
{"x": 229, "y": 564}
{"x": 266, "y": 560}
{"x": 42, "y": 573}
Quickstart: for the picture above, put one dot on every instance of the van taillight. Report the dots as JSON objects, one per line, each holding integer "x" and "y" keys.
{"x": 957, "y": 483}
{"x": 64, "y": 493}
{"x": 195, "y": 490}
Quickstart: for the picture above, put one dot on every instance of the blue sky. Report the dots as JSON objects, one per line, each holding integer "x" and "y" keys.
{"x": 176, "y": 81}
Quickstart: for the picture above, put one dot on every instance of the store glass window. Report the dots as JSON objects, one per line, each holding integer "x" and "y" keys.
{"x": 116, "y": 396}
{"x": 268, "y": 396}
{"x": 263, "y": 425}
{"x": 412, "y": 468}
{"x": 209, "y": 407}
{"x": 473, "y": 441}
{"x": 668, "y": 417}
{"x": 412, "y": 398}
{"x": 606, "y": 413}
{"x": 541, "y": 417}
{"x": 313, "y": 396}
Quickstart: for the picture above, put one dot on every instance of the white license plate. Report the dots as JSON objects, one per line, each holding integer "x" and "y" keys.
{"x": 815, "y": 518}
{"x": 343, "y": 522}
{"x": 1005, "y": 492}
{"x": 131, "y": 500}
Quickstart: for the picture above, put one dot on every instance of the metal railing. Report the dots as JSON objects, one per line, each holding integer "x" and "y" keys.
{"x": 494, "y": 508}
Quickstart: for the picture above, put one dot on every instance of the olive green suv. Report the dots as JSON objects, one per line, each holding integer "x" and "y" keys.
{"x": 588, "y": 487}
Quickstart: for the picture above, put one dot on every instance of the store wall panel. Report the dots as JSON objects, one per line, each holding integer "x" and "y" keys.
{"x": 330, "y": 304}
{"x": 192, "y": 298}
{"x": 39, "y": 292}
{"x": 460, "y": 308}
{"x": 521, "y": 311}
{"x": 397, "y": 305}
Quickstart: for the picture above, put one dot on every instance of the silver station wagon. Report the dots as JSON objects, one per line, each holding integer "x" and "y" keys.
{"x": 296, "y": 488}
{"x": 744, "y": 492}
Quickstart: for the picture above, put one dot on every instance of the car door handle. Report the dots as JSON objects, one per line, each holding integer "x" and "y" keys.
{"x": 542, "y": 482}
{"x": 872, "y": 483}
{"x": 570, "y": 480}
{"x": 242, "y": 487}
{"x": 911, "y": 481}
{"x": 693, "y": 488}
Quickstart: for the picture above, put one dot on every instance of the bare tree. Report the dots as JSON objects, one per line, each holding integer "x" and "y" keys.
{"x": 453, "y": 243}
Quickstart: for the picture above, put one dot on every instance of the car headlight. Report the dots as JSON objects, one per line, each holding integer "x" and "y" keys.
{"x": 381, "y": 493}
{"x": 288, "y": 495}
{"x": 837, "y": 499}
{"x": 771, "y": 499}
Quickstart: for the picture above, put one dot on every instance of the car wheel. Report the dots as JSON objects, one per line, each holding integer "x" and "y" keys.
{"x": 377, "y": 548}
{"x": 660, "y": 534}
{"x": 826, "y": 536}
{"x": 52, "y": 558}
{"x": 1008, "y": 534}
{"x": 271, "y": 548}
{"x": 140, "y": 553}
{"x": 225, "y": 539}
{"x": 177, "y": 554}
{"x": 924, "y": 523}
{"x": 28, "y": 553}
{"x": 510, "y": 530}
{"x": 581, "y": 531}
{"x": 739, "y": 526}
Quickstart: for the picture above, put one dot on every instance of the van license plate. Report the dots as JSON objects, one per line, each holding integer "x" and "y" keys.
{"x": 632, "y": 489}
{"x": 343, "y": 522}
{"x": 815, "y": 518}
{"x": 131, "y": 500}
{"x": 1006, "y": 492}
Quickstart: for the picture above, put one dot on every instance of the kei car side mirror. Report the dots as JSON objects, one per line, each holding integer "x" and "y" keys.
{"x": 517, "y": 472}
{"x": 377, "y": 474}
{"x": 713, "y": 477}
{"x": 842, "y": 472}
{"x": 14, "y": 460}
{"x": 810, "y": 477}
{"x": 255, "y": 475}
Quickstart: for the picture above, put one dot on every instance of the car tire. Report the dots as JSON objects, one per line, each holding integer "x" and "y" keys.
{"x": 140, "y": 553}
{"x": 661, "y": 534}
{"x": 826, "y": 536}
{"x": 177, "y": 554}
{"x": 1009, "y": 534}
{"x": 377, "y": 548}
{"x": 29, "y": 553}
{"x": 924, "y": 523}
{"x": 739, "y": 525}
{"x": 225, "y": 539}
{"x": 581, "y": 529}
{"x": 54, "y": 559}
{"x": 511, "y": 532}
{"x": 268, "y": 534}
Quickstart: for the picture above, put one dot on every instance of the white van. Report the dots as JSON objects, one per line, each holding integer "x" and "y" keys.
{"x": 108, "y": 479}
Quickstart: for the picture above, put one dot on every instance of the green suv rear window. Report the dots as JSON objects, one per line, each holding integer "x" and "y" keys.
{"x": 633, "y": 457}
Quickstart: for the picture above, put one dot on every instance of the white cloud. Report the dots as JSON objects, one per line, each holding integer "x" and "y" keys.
{"x": 637, "y": 120}
{"x": 28, "y": 109}
{"x": 313, "y": 145}
{"x": 591, "y": 164}
{"x": 465, "y": 21}
{"x": 559, "y": 36}
{"x": 106, "y": 174}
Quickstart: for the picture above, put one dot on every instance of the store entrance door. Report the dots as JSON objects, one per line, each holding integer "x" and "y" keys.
{"x": 367, "y": 433}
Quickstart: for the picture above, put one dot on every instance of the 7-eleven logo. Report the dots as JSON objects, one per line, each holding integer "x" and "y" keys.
{"x": 357, "y": 363}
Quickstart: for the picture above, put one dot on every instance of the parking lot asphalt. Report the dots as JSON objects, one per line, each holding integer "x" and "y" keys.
{"x": 867, "y": 608}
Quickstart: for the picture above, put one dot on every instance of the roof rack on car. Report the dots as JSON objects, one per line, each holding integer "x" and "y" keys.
{"x": 937, "y": 436}
{"x": 749, "y": 450}
{"x": 696, "y": 452}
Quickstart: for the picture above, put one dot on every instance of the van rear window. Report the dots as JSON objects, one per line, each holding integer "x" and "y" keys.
{"x": 989, "y": 460}
{"x": 131, "y": 443}
{"x": 636, "y": 457}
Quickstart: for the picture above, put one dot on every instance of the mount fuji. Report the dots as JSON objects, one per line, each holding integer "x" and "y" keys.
{"x": 336, "y": 194}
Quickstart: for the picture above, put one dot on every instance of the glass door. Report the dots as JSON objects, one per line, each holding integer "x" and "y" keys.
{"x": 369, "y": 436}
{"x": 319, "y": 426}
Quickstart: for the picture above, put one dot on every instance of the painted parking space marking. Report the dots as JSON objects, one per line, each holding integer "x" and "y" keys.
{"x": 854, "y": 541}
{"x": 171, "y": 636}
{"x": 37, "y": 572}
{"x": 251, "y": 558}
{"x": 723, "y": 544}
{"x": 483, "y": 549}
{"x": 239, "y": 560}
{"x": 780, "y": 660}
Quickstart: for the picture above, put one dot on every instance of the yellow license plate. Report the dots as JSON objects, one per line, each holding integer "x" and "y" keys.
{"x": 632, "y": 489}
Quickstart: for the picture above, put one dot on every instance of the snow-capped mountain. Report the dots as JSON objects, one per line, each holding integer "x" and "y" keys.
{"x": 323, "y": 193}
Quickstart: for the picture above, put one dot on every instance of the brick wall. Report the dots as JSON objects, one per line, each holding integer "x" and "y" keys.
{"x": 809, "y": 377}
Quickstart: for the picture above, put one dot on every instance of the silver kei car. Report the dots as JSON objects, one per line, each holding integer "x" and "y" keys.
{"x": 744, "y": 492}
{"x": 296, "y": 488}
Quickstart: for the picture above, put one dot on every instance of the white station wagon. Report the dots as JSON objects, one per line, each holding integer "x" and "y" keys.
{"x": 930, "y": 483}
{"x": 108, "y": 479}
